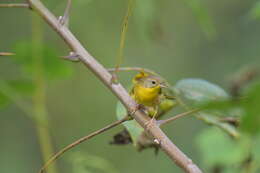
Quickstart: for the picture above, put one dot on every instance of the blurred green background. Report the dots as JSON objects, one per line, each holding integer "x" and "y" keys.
{"x": 178, "y": 39}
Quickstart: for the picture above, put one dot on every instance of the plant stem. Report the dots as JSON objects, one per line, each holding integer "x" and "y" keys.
{"x": 79, "y": 141}
{"x": 178, "y": 116}
{"x": 17, "y": 5}
{"x": 39, "y": 105}
{"x": 8, "y": 91}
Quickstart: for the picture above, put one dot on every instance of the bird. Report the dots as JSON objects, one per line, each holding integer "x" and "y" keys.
{"x": 152, "y": 94}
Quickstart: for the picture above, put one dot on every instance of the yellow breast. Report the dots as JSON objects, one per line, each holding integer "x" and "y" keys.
{"x": 146, "y": 96}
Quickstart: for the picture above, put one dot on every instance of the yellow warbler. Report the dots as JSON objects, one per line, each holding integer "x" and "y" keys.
{"x": 156, "y": 98}
{"x": 153, "y": 93}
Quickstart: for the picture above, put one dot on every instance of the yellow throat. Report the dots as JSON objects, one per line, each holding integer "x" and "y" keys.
{"x": 146, "y": 90}
{"x": 146, "y": 96}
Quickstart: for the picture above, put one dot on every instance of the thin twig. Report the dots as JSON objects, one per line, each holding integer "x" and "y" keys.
{"x": 235, "y": 121}
{"x": 123, "y": 34}
{"x": 242, "y": 80}
{"x": 138, "y": 69}
{"x": 120, "y": 56}
{"x": 178, "y": 116}
{"x": 39, "y": 106}
{"x": 16, "y": 5}
{"x": 79, "y": 141}
{"x": 64, "y": 20}
{"x": 91, "y": 63}
{"x": 6, "y": 54}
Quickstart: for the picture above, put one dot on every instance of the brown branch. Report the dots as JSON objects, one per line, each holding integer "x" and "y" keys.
{"x": 6, "y": 54}
{"x": 178, "y": 116}
{"x": 20, "y": 5}
{"x": 235, "y": 121}
{"x": 117, "y": 89}
{"x": 79, "y": 141}
{"x": 242, "y": 80}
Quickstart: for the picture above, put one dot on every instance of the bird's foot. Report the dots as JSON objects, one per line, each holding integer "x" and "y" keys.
{"x": 149, "y": 123}
{"x": 137, "y": 108}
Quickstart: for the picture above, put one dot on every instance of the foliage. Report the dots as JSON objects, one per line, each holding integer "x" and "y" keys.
{"x": 233, "y": 149}
{"x": 235, "y": 155}
{"x": 251, "y": 119}
{"x": 53, "y": 67}
{"x": 87, "y": 163}
{"x": 12, "y": 90}
{"x": 218, "y": 150}
{"x": 255, "y": 11}
{"x": 189, "y": 93}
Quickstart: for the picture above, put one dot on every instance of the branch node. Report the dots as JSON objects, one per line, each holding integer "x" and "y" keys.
{"x": 64, "y": 20}
{"x": 74, "y": 57}
{"x": 157, "y": 141}
{"x": 114, "y": 79}
{"x": 137, "y": 107}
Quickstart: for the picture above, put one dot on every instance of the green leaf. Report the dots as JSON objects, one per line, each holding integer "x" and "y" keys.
{"x": 87, "y": 163}
{"x": 11, "y": 91}
{"x": 199, "y": 90}
{"x": 251, "y": 120}
{"x": 223, "y": 108}
{"x": 254, "y": 13}
{"x": 219, "y": 149}
{"x": 220, "y": 104}
{"x": 132, "y": 126}
{"x": 212, "y": 99}
{"x": 4, "y": 101}
{"x": 20, "y": 87}
{"x": 23, "y": 87}
{"x": 210, "y": 119}
{"x": 256, "y": 148}
{"x": 52, "y": 66}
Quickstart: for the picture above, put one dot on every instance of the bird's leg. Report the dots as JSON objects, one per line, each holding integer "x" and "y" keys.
{"x": 137, "y": 108}
{"x": 154, "y": 114}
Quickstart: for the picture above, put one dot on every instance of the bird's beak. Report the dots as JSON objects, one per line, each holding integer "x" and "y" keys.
{"x": 162, "y": 85}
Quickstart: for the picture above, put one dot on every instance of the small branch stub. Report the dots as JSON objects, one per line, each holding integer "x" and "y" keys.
{"x": 156, "y": 141}
{"x": 72, "y": 57}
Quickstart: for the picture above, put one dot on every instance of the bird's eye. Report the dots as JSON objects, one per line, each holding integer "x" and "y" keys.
{"x": 153, "y": 82}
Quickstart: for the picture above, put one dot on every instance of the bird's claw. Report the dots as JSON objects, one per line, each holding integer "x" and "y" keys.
{"x": 137, "y": 108}
{"x": 149, "y": 123}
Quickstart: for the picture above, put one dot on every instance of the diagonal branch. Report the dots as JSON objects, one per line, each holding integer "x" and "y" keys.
{"x": 117, "y": 89}
{"x": 79, "y": 141}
